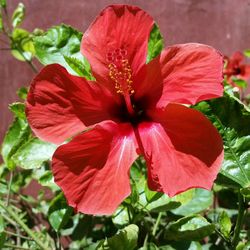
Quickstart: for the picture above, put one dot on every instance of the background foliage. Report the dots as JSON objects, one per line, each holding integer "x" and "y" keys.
{"x": 196, "y": 219}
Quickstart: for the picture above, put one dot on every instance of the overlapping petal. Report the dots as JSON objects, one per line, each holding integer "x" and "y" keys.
{"x": 185, "y": 73}
{"x": 93, "y": 168}
{"x": 59, "y": 105}
{"x": 117, "y": 27}
{"x": 182, "y": 149}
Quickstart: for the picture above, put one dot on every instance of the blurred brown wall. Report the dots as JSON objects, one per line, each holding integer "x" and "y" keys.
{"x": 224, "y": 24}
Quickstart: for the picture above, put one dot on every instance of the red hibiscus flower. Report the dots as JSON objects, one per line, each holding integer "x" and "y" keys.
{"x": 132, "y": 109}
{"x": 235, "y": 67}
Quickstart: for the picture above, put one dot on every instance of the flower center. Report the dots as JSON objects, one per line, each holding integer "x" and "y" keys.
{"x": 120, "y": 73}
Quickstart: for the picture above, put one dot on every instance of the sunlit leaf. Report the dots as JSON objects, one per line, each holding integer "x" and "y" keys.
{"x": 125, "y": 239}
{"x": 59, "y": 212}
{"x": 61, "y": 44}
{"x": 22, "y": 45}
{"x": 18, "y": 109}
{"x": 155, "y": 44}
{"x": 194, "y": 227}
{"x": 121, "y": 217}
{"x": 18, "y": 15}
{"x": 225, "y": 224}
{"x": 240, "y": 83}
{"x": 18, "y": 133}
{"x": 1, "y": 21}
{"x": 201, "y": 200}
{"x": 247, "y": 52}
{"x": 232, "y": 120}
{"x": 22, "y": 93}
{"x": 81, "y": 68}
{"x": 33, "y": 153}
{"x": 3, "y": 3}
{"x": 2, "y": 226}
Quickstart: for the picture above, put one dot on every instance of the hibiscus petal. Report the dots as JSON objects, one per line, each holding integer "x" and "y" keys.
{"x": 93, "y": 168}
{"x": 59, "y": 105}
{"x": 185, "y": 73}
{"x": 246, "y": 72}
{"x": 117, "y": 27}
{"x": 237, "y": 58}
{"x": 182, "y": 148}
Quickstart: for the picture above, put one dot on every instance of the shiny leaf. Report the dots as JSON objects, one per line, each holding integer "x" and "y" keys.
{"x": 59, "y": 212}
{"x": 22, "y": 45}
{"x": 225, "y": 224}
{"x": 61, "y": 44}
{"x": 22, "y": 93}
{"x": 125, "y": 239}
{"x": 200, "y": 201}
{"x": 232, "y": 120}
{"x": 18, "y": 15}
{"x": 155, "y": 44}
{"x": 18, "y": 133}
{"x": 18, "y": 109}
{"x": 33, "y": 153}
{"x": 194, "y": 227}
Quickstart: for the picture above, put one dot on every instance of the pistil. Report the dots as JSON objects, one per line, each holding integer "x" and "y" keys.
{"x": 120, "y": 73}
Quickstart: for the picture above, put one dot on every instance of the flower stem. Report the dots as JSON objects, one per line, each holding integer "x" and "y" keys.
{"x": 24, "y": 226}
{"x": 157, "y": 223}
{"x": 239, "y": 222}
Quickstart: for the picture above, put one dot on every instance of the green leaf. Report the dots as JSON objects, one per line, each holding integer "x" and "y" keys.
{"x": 121, "y": 217}
{"x": 155, "y": 43}
{"x": 247, "y": 52}
{"x": 22, "y": 93}
{"x": 1, "y": 21}
{"x": 180, "y": 245}
{"x": 3, "y": 3}
{"x": 18, "y": 133}
{"x": 245, "y": 192}
{"x": 61, "y": 44}
{"x": 225, "y": 224}
{"x": 18, "y": 109}
{"x": 59, "y": 212}
{"x": 2, "y": 226}
{"x": 151, "y": 195}
{"x": 232, "y": 120}
{"x": 18, "y": 15}
{"x": 229, "y": 91}
{"x": 194, "y": 227}
{"x": 81, "y": 68}
{"x": 3, "y": 238}
{"x": 22, "y": 45}
{"x": 200, "y": 201}
{"x": 240, "y": 83}
{"x": 33, "y": 153}
{"x": 125, "y": 239}
{"x": 164, "y": 203}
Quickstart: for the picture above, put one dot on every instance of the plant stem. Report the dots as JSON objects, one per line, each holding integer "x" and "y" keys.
{"x": 9, "y": 188}
{"x": 10, "y": 246}
{"x": 157, "y": 223}
{"x": 9, "y": 220}
{"x": 18, "y": 235}
{"x": 24, "y": 226}
{"x": 239, "y": 222}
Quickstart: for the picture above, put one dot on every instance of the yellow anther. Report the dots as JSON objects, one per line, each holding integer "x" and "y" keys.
{"x": 121, "y": 75}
